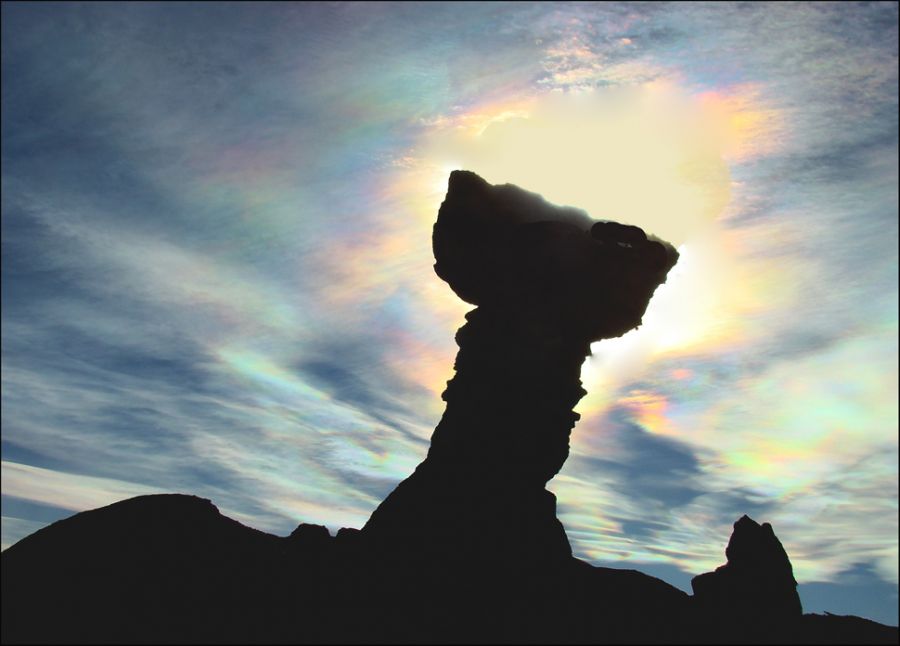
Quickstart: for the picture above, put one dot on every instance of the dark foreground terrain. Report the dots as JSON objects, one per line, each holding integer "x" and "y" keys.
{"x": 171, "y": 569}
{"x": 466, "y": 549}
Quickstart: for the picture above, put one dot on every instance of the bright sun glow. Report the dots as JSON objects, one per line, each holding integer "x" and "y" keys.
{"x": 651, "y": 156}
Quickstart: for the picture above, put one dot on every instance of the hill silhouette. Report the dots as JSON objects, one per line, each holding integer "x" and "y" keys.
{"x": 466, "y": 549}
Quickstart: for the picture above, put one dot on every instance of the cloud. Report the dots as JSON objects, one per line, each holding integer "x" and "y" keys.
{"x": 598, "y": 151}
{"x": 621, "y": 490}
{"x": 67, "y": 490}
{"x": 661, "y": 472}
{"x": 15, "y": 529}
{"x": 215, "y": 281}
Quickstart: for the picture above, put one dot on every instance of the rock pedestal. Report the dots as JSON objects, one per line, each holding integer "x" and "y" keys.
{"x": 547, "y": 281}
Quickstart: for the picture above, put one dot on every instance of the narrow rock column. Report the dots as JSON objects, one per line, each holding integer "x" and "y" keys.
{"x": 509, "y": 407}
{"x": 504, "y": 434}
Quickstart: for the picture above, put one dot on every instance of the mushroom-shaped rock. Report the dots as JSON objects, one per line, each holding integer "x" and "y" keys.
{"x": 547, "y": 283}
{"x": 504, "y": 247}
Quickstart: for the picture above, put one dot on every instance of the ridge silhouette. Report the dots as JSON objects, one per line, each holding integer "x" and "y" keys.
{"x": 466, "y": 549}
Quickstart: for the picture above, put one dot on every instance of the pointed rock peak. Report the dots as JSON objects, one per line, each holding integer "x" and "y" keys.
{"x": 757, "y": 580}
{"x": 755, "y": 546}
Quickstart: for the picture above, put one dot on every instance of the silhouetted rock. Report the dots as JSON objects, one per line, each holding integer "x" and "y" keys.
{"x": 468, "y": 549}
{"x": 756, "y": 588}
{"x": 546, "y": 287}
{"x": 150, "y": 569}
{"x": 347, "y": 536}
{"x": 311, "y": 536}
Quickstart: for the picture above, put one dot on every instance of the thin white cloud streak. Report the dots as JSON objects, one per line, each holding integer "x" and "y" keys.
{"x": 67, "y": 490}
{"x": 15, "y": 529}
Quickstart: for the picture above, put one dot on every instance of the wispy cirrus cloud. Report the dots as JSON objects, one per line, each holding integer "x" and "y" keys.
{"x": 214, "y": 276}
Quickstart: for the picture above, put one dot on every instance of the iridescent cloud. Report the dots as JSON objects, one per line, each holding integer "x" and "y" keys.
{"x": 217, "y": 271}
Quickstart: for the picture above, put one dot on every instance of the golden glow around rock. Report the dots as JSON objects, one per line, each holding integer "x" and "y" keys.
{"x": 650, "y": 156}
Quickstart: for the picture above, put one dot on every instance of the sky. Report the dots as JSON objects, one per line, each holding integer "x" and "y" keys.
{"x": 217, "y": 273}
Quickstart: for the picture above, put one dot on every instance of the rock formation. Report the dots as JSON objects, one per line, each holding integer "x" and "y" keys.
{"x": 547, "y": 281}
{"x": 756, "y": 587}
